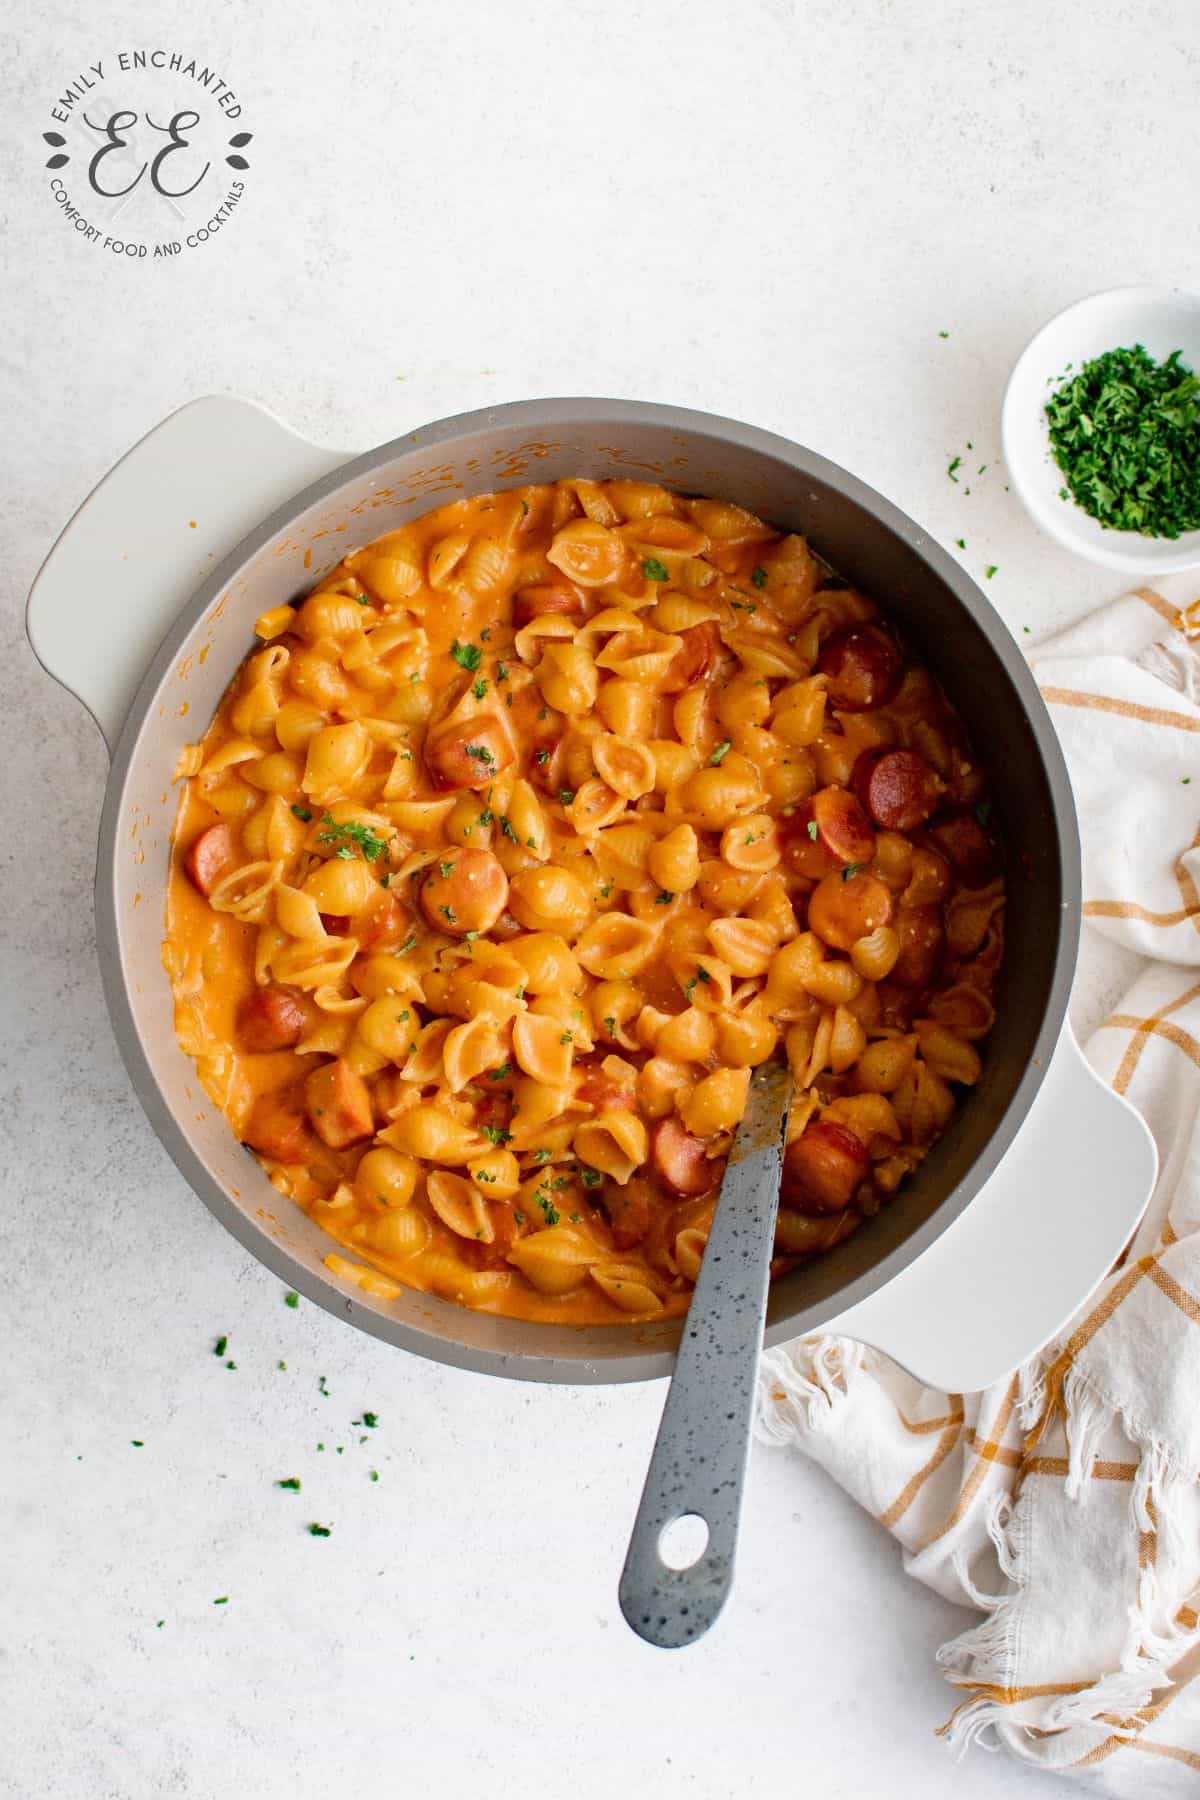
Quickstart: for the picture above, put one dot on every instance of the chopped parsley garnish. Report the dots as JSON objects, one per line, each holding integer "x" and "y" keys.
{"x": 590, "y": 1177}
{"x": 138, "y": 1443}
{"x": 302, "y": 812}
{"x": 507, "y": 830}
{"x": 610, "y": 1025}
{"x": 654, "y": 570}
{"x": 351, "y": 836}
{"x": 1125, "y": 431}
{"x": 481, "y": 752}
{"x": 321, "y": 1388}
{"x": 292, "y": 1300}
{"x": 722, "y": 750}
{"x": 480, "y": 688}
{"x": 851, "y": 870}
{"x": 568, "y": 1037}
{"x": 956, "y": 464}
{"x": 812, "y": 830}
{"x": 664, "y": 897}
{"x": 961, "y": 542}
{"x": 566, "y": 795}
{"x": 292, "y": 1484}
{"x": 221, "y": 1345}
{"x": 221, "y": 1600}
{"x": 518, "y": 1215}
{"x": 759, "y": 577}
{"x": 496, "y": 1134}
{"x": 370, "y": 1419}
{"x": 410, "y": 943}
{"x": 363, "y": 599}
{"x": 501, "y": 1072}
{"x": 990, "y": 570}
{"x": 320, "y": 1531}
{"x": 551, "y": 1212}
{"x": 543, "y": 757}
{"x": 467, "y": 656}
{"x": 687, "y": 988}
{"x": 501, "y": 673}
{"x": 447, "y": 870}
{"x": 983, "y": 812}
{"x": 449, "y": 913}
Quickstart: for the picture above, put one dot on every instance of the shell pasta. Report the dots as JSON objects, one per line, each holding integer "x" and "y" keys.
{"x": 522, "y": 839}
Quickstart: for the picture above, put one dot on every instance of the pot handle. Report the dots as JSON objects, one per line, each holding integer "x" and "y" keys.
{"x": 143, "y": 540}
{"x": 1032, "y": 1246}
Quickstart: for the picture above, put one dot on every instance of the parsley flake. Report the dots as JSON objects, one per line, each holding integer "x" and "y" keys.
{"x": 722, "y": 750}
{"x": 759, "y": 577}
{"x": 467, "y": 656}
{"x": 654, "y": 570}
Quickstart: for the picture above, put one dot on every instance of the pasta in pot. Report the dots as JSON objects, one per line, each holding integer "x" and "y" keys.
{"x": 516, "y": 846}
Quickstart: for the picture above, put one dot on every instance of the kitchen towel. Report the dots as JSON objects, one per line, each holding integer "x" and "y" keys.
{"x": 1064, "y": 1502}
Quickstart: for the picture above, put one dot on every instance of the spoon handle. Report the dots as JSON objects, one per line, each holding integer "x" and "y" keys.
{"x": 699, "y": 1461}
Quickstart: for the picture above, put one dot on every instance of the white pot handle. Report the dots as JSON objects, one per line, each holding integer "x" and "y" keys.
{"x": 134, "y": 552}
{"x": 1034, "y": 1243}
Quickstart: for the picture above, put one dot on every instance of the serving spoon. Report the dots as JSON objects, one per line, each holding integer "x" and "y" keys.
{"x": 698, "y": 1468}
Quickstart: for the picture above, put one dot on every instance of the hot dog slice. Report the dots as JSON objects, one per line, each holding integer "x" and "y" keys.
{"x": 698, "y": 652}
{"x": 271, "y": 1018}
{"x": 209, "y": 856}
{"x": 544, "y": 598}
{"x": 897, "y": 787}
{"x": 922, "y": 936}
{"x": 469, "y": 756}
{"x": 679, "y": 1158}
{"x": 863, "y": 665}
{"x": 278, "y": 1127}
{"x": 339, "y": 1104}
{"x": 841, "y": 911}
{"x": 823, "y": 1168}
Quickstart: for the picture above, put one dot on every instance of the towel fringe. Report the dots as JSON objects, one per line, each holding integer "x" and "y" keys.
{"x": 983, "y": 1657}
{"x": 803, "y": 1386}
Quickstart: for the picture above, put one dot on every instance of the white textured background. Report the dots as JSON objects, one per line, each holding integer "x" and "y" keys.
{"x": 769, "y": 210}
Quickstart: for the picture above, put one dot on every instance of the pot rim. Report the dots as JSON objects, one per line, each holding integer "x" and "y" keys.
{"x": 639, "y": 1363}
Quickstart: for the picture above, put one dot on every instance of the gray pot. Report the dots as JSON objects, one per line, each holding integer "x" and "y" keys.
{"x": 225, "y": 464}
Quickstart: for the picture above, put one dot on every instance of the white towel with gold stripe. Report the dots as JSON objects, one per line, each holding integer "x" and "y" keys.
{"x": 1065, "y": 1503}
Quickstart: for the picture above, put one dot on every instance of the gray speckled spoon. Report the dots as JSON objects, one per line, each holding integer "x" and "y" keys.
{"x": 699, "y": 1463}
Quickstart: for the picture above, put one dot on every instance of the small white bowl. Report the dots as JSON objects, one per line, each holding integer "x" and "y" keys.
{"x": 1163, "y": 319}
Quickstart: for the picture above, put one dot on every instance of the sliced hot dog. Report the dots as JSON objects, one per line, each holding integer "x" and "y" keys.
{"x": 863, "y": 666}
{"x": 339, "y": 1104}
{"x": 841, "y": 911}
{"x": 897, "y": 787}
{"x": 386, "y": 925}
{"x": 922, "y": 935}
{"x": 823, "y": 1168}
{"x": 679, "y": 1158}
{"x": 544, "y": 598}
{"x": 271, "y": 1018}
{"x": 209, "y": 856}
{"x": 631, "y": 1212}
{"x": 697, "y": 654}
{"x": 278, "y": 1127}
{"x": 505, "y": 1232}
{"x": 974, "y": 855}
{"x": 469, "y": 756}
{"x": 841, "y": 826}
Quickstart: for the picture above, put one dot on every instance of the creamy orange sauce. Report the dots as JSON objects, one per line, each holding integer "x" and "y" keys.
{"x": 521, "y": 840}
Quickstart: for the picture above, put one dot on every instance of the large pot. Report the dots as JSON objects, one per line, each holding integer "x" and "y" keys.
{"x": 1039, "y": 1152}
